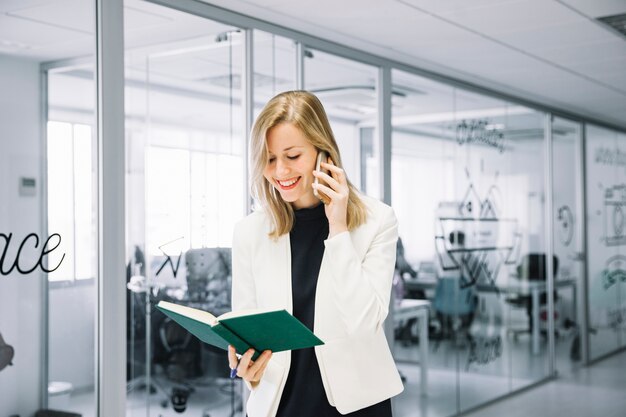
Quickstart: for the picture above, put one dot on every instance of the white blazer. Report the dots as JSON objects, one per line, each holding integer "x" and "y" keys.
{"x": 351, "y": 303}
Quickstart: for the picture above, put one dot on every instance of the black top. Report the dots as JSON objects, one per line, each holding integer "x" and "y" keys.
{"x": 304, "y": 394}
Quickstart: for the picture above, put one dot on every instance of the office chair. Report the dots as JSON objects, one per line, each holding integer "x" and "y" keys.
{"x": 183, "y": 357}
{"x": 454, "y": 307}
{"x": 208, "y": 288}
{"x": 140, "y": 322}
{"x": 533, "y": 268}
{"x": 209, "y": 278}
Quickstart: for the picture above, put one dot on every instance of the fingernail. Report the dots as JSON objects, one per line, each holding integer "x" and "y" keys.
{"x": 233, "y": 373}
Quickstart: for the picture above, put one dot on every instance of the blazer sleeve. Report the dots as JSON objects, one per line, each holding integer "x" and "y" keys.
{"x": 243, "y": 288}
{"x": 362, "y": 288}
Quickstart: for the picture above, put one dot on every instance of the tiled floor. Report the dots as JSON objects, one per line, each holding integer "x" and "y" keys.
{"x": 599, "y": 390}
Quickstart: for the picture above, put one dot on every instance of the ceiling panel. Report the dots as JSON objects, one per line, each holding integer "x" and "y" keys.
{"x": 8, "y": 5}
{"x": 451, "y": 6}
{"x": 475, "y": 55}
{"x": 589, "y": 52}
{"x": 532, "y": 48}
{"x": 618, "y": 79}
{"x": 546, "y": 51}
{"x": 29, "y": 33}
{"x": 557, "y": 36}
{"x": 81, "y": 19}
{"x": 505, "y": 17}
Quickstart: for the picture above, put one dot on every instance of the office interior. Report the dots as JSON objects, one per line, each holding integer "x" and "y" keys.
{"x": 511, "y": 262}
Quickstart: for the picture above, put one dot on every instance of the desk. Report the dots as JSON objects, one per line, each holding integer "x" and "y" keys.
{"x": 423, "y": 282}
{"x": 408, "y": 309}
{"x": 534, "y": 289}
{"x": 513, "y": 286}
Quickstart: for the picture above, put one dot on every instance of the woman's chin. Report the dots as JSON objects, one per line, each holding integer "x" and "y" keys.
{"x": 288, "y": 197}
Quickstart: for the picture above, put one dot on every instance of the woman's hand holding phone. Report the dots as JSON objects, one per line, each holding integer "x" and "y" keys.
{"x": 321, "y": 157}
{"x": 334, "y": 186}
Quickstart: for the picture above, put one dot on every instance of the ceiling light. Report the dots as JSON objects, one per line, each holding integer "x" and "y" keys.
{"x": 5, "y": 43}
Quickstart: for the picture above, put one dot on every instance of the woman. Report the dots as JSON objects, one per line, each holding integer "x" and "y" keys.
{"x": 330, "y": 265}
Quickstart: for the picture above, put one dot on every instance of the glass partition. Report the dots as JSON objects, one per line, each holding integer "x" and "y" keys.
{"x": 468, "y": 182}
{"x": 274, "y": 67}
{"x": 185, "y": 191}
{"x": 347, "y": 89}
{"x": 72, "y": 211}
{"x": 422, "y": 175}
{"x": 567, "y": 222}
{"x": 468, "y": 189}
{"x": 606, "y": 239}
{"x": 48, "y": 213}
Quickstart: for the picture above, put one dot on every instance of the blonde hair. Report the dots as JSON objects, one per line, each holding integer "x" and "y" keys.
{"x": 305, "y": 111}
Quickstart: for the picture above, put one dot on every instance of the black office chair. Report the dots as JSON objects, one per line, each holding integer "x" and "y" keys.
{"x": 533, "y": 268}
{"x": 209, "y": 278}
{"x": 183, "y": 357}
{"x": 208, "y": 288}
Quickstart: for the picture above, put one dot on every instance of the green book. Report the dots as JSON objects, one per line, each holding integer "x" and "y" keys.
{"x": 260, "y": 330}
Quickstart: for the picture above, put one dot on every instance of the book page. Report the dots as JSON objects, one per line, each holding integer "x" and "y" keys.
{"x": 193, "y": 313}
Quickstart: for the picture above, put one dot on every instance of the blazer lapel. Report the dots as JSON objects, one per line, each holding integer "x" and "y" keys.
{"x": 279, "y": 261}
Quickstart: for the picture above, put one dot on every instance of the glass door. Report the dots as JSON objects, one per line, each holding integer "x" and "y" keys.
{"x": 347, "y": 89}
{"x": 606, "y": 239}
{"x": 569, "y": 257}
{"x": 185, "y": 190}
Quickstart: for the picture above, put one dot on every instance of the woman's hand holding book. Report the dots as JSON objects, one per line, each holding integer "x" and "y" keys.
{"x": 247, "y": 369}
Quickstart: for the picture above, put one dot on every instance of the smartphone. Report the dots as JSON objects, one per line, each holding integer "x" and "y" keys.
{"x": 321, "y": 157}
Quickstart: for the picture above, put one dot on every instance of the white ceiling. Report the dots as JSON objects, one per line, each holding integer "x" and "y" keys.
{"x": 548, "y": 51}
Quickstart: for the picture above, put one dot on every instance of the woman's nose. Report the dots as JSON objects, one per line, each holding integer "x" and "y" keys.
{"x": 281, "y": 168}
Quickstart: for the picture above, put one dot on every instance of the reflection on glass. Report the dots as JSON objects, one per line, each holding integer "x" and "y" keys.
{"x": 71, "y": 205}
{"x": 467, "y": 187}
{"x": 567, "y": 242}
{"x": 274, "y": 67}
{"x": 67, "y": 29}
{"x": 347, "y": 89}
{"x": 185, "y": 191}
{"x": 606, "y": 240}
{"x": 61, "y": 185}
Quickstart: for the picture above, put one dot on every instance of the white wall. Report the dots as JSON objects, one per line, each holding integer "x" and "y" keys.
{"x": 20, "y": 295}
{"x": 71, "y": 334}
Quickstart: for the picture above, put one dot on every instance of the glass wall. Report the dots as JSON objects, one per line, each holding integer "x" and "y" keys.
{"x": 567, "y": 233}
{"x": 72, "y": 213}
{"x": 347, "y": 89}
{"x": 469, "y": 179}
{"x": 606, "y": 239}
{"x": 184, "y": 192}
{"x": 274, "y": 67}
{"x": 469, "y": 192}
{"x": 48, "y": 219}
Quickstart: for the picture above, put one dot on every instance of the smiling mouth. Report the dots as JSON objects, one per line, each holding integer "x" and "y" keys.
{"x": 288, "y": 184}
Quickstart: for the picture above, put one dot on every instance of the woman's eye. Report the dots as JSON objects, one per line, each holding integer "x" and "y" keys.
{"x": 293, "y": 157}
{"x": 271, "y": 160}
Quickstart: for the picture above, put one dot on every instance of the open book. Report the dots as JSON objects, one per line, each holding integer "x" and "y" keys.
{"x": 261, "y": 330}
